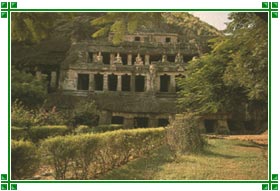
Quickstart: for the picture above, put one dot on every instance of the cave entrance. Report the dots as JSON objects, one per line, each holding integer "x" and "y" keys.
{"x": 164, "y": 83}
{"x": 98, "y": 82}
{"x": 139, "y": 83}
{"x": 112, "y": 82}
{"x": 117, "y": 120}
{"x": 141, "y": 122}
{"x": 163, "y": 122}
{"x": 83, "y": 81}
{"x": 126, "y": 82}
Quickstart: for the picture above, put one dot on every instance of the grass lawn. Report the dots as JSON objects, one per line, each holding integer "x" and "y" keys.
{"x": 221, "y": 160}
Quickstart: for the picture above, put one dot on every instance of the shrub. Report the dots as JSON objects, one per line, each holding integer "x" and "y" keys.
{"x": 98, "y": 152}
{"x": 21, "y": 116}
{"x": 82, "y": 129}
{"x": 183, "y": 135}
{"x": 25, "y": 161}
{"x": 105, "y": 128}
{"x": 19, "y": 133}
{"x": 41, "y": 132}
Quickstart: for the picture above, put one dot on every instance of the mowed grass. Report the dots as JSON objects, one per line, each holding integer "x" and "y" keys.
{"x": 221, "y": 160}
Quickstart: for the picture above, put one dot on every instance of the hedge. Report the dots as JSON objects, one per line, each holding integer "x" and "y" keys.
{"x": 42, "y": 132}
{"x": 105, "y": 128}
{"x": 25, "y": 160}
{"x": 85, "y": 156}
{"x": 19, "y": 133}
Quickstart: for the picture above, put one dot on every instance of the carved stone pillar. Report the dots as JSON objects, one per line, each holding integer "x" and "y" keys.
{"x": 128, "y": 122}
{"x": 148, "y": 82}
{"x": 112, "y": 58}
{"x": 132, "y": 83}
{"x": 147, "y": 59}
{"x": 91, "y": 82}
{"x": 153, "y": 122}
{"x": 53, "y": 79}
{"x": 172, "y": 87}
{"x": 105, "y": 82}
{"x": 157, "y": 88}
{"x": 129, "y": 59}
{"x": 119, "y": 85}
{"x": 105, "y": 118}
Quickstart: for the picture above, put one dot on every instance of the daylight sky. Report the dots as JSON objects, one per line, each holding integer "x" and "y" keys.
{"x": 216, "y": 19}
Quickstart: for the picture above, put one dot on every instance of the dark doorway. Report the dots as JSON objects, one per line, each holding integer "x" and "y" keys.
{"x": 90, "y": 57}
{"x": 124, "y": 59}
{"x": 125, "y": 83}
{"x": 155, "y": 58}
{"x": 167, "y": 39}
{"x": 164, "y": 83}
{"x": 83, "y": 81}
{"x": 98, "y": 82}
{"x": 163, "y": 122}
{"x": 106, "y": 58}
{"x": 112, "y": 82}
{"x": 171, "y": 58}
{"x": 137, "y": 38}
{"x": 141, "y": 122}
{"x": 210, "y": 125}
{"x": 139, "y": 83}
{"x": 117, "y": 120}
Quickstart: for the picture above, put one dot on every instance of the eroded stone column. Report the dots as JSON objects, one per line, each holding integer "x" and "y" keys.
{"x": 153, "y": 122}
{"x": 147, "y": 59}
{"x": 105, "y": 118}
{"x": 148, "y": 82}
{"x": 128, "y": 122}
{"x": 105, "y": 82}
{"x": 112, "y": 58}
{"x": 132, "y": 83}
{"x": 91, "y": 82}
{"x": 157, "y": 88}
{"x": 53, "y": 79}
{"x": 119, "y": 85}
{"x": 129, "y": 59}
{"x": 222, "y": 126}
{"x": 172, "y": 87}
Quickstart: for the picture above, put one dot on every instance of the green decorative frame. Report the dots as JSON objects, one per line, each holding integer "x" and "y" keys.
{"x": 7, "y": 184}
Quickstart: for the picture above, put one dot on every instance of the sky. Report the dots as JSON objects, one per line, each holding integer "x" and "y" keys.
{"x": 216, "y": 19}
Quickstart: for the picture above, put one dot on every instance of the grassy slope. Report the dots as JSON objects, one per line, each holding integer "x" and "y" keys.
{"x": 223, "y": 159}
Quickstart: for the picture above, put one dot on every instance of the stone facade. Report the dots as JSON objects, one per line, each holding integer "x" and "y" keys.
{"x": 133, "y": 83}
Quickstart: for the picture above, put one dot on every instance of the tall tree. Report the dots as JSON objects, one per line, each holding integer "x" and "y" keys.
{"x": 234, "y": 73}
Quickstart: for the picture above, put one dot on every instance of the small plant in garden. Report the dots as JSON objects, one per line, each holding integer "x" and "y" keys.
{"x": 183, "y": 135}
{"x": 25, "y": 160}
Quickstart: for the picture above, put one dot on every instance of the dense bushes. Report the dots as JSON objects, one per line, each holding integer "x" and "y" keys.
{"x": 73, "y": 156}
{"x": 19, "y": 133}
{"x": 25, "y": 161}
{"x": 42, "y": 132}
{"x": 183, "y": 135}
{"x": 105, "y": 128}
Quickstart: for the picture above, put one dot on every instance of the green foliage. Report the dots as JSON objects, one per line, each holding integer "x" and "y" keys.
{"x": 28, "y": 89}
{"x": 104, "y": 128}
{"x": 121, "y": 23}
{"x": 21, "y": 117}
{"x": 25, "y": 117}
{"x": 233, "y": 74}
{"x": 84, "y": 113}
{"x": 41, "y": 132}
{"x": 183, "y": 135}
{"x": 87, "y": 155}
{"x": 34, "y": 27}
{"x": 24, "y": 160}
{"x": 19, "y": 133}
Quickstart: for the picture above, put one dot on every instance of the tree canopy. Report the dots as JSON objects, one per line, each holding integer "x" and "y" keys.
{"x": 234, "y": 73}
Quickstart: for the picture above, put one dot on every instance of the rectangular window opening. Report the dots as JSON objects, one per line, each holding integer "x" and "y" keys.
{"x": 83, "y": 81}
